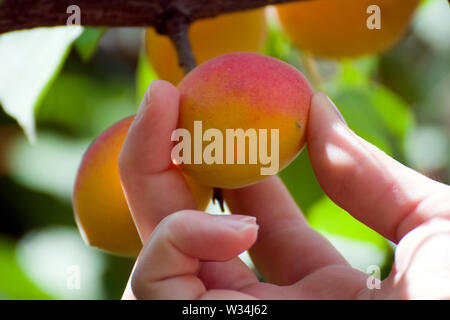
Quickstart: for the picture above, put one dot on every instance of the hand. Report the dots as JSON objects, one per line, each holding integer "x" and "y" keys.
{"x": 193, "y": 255}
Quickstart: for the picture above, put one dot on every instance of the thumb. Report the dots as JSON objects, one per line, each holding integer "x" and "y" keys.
{"x": 374, "y": 188}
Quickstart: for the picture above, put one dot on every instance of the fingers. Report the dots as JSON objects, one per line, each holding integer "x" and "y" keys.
{"x": 148, "y": 177}
{"x": 233, "y": 274}
{"x": 377, "y": 190}
{"x": 170, "y": 261}
{"x": 287, "y": 249}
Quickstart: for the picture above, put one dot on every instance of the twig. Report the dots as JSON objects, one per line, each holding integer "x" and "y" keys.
{"x": 313, "y": 70}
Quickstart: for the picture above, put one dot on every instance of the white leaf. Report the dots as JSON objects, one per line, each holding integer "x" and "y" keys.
{"x": 29, "y": 60}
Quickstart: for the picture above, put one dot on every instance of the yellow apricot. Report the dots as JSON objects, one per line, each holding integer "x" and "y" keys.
{"x": 338, "y": 28}
{"x": 100, "y": 207}
{"x": 241, "y": 31}
{"x": 256, "y": 93}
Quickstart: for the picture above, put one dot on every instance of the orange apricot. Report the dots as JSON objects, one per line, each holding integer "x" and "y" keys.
{"x": 345, "y": 28}
{"x": 244, "y": 117}
{"x": 99, "y": 203}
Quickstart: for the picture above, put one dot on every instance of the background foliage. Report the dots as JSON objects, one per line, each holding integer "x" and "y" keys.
{"x": 64, "y": 86}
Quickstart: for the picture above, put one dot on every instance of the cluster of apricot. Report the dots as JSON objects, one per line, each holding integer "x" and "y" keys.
{"x": 231, "y": 90}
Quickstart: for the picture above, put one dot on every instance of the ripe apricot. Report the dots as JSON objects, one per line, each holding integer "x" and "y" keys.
{"x": 338, "y": 28}
{"x": 100, "y": 207}
{"x": 247, "y": 91}
{"x": 241, "y": 31}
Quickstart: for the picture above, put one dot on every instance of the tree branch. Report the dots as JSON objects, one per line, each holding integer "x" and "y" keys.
{"x": 25, "y": 14}
{"x": 170, "y": 17}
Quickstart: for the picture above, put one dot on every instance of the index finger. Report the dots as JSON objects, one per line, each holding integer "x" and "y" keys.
{"x": 153, "y": 186}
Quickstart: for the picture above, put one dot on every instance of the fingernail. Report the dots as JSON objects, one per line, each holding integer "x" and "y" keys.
{"x": 144, "y": 103}
{"x": 336, "y": 111}
{"x": 239, "y": 222}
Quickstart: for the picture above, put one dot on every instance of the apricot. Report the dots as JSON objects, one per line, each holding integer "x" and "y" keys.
{"x": 338, "y": 28}
{"x": 100, "y": 207}
{"x": 249, "y": 91}
{"x": 241, "y": 31}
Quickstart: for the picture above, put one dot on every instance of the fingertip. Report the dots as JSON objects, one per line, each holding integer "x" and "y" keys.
{"x": 158, "y": 93}
{"x": 322, "y": 116}
{"x": 209, "y": 236}
{"x": 148, "y": 144}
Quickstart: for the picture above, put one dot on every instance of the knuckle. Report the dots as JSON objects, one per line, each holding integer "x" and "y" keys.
{"x": 175, "y": 223}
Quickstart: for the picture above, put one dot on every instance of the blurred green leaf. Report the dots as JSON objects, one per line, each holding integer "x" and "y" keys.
{"x": 86, "y": 105}
{"x": 356, "y": 106}
{"x": 29, "y": 61}
{"x": 144, "y": 75}
{"x": 59, "y": 262}
{"x": 373, "y": 111}
{"x": 300, "y": 180}
{"x": 428, "y": 149}
{"x": 87, "y": 43}
{"x": 14, "y": 284}
{"x": 358, "y": 243}
{"x": 326, "y": 216}
{"x": 48, "y": 166}
{"x": 277, "y": 44}
{"x": 393, "y": 111}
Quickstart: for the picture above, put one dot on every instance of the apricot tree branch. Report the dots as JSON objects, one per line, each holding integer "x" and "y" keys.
{"x": 25, "y": 14}
{"x": 170, "y": 17}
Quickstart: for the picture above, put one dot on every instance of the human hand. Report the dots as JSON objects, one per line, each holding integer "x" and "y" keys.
{"x": 193, "y": 255}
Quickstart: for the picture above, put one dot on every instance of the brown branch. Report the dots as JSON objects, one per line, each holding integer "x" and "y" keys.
{"x": 171, "y": 17}
{"x": 25, "y": 14}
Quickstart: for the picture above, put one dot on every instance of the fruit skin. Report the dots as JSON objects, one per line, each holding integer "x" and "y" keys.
{"x": 244, "y": 90}
{"x": 338, "y": 28}
{"x": 241, "y": 31}
{"x": 100, "y": 207}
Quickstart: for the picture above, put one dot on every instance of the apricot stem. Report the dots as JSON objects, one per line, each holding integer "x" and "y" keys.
{"x": 180, "y": 39}
{"x": 313, "y": 70}
{"x": 217, "y": 196}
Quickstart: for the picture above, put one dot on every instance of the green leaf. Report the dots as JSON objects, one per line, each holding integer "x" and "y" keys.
{"x": 356, "y": 106}
{"x": 87, "y": 43}
{"x": 326, "y": 216}
{"x": 373, "y": 111}
{"x": 359, "y": 244}
{"x": 393, "y": 111}
{"x": 88, "y": 107}
{"x": 144, "y": 75}
{"x": 29, "y": 61}
{"x": 299, "y": 178}
{"x": 14, "y": 283}
{"x": 57, "y": 159}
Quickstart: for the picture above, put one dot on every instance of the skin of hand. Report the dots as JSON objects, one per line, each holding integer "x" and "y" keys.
{"x": 193, "y": 255}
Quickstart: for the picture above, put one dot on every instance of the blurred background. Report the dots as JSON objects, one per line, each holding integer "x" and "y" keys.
{"x": 399, "y": 101}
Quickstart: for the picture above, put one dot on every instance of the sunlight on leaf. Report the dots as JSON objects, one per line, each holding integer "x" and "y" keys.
{"x": 144, "y": 75}
{"x": 49, "y": 165}
{"x": 358, "y": 243}
{"x": 14, "y": 283}
{"x": 57, "y": 259}
{"x": 87, "y": 43}
{"x": 29, "y": 61}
